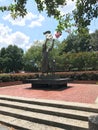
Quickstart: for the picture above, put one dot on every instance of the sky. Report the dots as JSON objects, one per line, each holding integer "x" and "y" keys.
{"x": 24, "y": 31}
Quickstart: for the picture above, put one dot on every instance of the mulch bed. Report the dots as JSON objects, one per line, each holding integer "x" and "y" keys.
{"x": 3, "y": 84}
{"x": 85, "y": 81}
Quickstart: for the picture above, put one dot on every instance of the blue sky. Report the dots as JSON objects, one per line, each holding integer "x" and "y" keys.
{"x": 24, "y": 31}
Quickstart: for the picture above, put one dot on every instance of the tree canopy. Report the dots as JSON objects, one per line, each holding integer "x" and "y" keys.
{"x": 84, "y": 12}
{"x": 80, "y": 43}
{"x": 76, "y": 52}
{"x": 11, "y": 59}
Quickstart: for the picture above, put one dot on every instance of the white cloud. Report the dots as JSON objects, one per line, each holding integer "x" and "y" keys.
{"x": 7, "y": 37}
{"x": 91, "y": 31}
{"x": 68, "y": 8}
{"x": 19, "y": 39}
{"x": 30, "y": 20}
{"x": 5, "y": 32}
{"x": 19, "y": 21}
{"x": 37, "y": 22}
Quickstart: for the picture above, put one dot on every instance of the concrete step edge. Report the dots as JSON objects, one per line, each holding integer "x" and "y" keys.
{"x": 69, "y": 113}
{"x": 54, "y": 103}
{"x": 21, "y": 124}
{"x": 45, "y": 119}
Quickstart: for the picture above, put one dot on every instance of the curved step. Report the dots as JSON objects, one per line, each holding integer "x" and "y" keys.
{"x": 27, "y": 114}
{"x": 21, "y": 124}
{"x": 54, "y": 103}
{"x": 69, "y": 113}
{"x": 46, "y": 119}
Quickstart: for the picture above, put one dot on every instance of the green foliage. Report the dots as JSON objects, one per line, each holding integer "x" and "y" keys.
{"x": 94, "y": 41}
{"x": 50, "y": 6}
{"x": 33, "y": 58}
{"x": 16, "y": 9}
{"x": 81, "y": 61}
{"x": 16, "y": 77}
{"x": 74, "y": 53}
{"x": 84, "y": 12}
{"x": 81, "y": 43}
{"x": 12, "y": 59}
{"x": 5, "y": 78}
{"x": 81, "y": 75}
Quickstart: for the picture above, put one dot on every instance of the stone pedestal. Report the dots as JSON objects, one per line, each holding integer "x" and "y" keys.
{"x": 93, "y": 122}
{"x": 48, "y": 82}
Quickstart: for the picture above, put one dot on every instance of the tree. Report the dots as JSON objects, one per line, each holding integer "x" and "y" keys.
{"x": 85, "y": 11}
{"x": 1, "y": 64}
{"x": 94, "y": 41}
{"x": 77, "y": 43}
{"x": 12, "y": 58}
{"x": 33, "y": 58}
{"x": 69, "y": 44}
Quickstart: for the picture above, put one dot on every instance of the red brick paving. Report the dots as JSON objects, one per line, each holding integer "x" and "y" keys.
{"x": 83, "y": 93}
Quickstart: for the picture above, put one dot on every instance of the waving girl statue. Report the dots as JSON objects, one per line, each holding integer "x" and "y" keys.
{"x": 46, "y": 50}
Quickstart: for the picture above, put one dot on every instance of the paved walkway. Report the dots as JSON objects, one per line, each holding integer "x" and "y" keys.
{"x": 83, "y": 93}
{"x": 2, "y": 127}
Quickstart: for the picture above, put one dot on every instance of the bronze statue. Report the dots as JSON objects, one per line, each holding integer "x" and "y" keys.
{"x": 45, "y": 52}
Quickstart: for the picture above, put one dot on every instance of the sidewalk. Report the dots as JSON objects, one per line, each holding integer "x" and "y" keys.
{"x": 83, "y": 93}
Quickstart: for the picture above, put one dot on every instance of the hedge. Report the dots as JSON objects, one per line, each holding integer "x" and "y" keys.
{"x": 79, "y": 75}
{"x": 16, "y": 77}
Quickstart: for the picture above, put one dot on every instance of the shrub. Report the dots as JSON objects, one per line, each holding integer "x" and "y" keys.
{"x": 79, "y": 75}
{"x": 80, "y": 61}
{"x": 75, "y": 75}
{"x": 15, "y": 77}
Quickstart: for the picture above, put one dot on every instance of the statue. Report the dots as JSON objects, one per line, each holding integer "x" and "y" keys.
{"x": 50, "y": 80}
{"x": 45, "y": 52}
